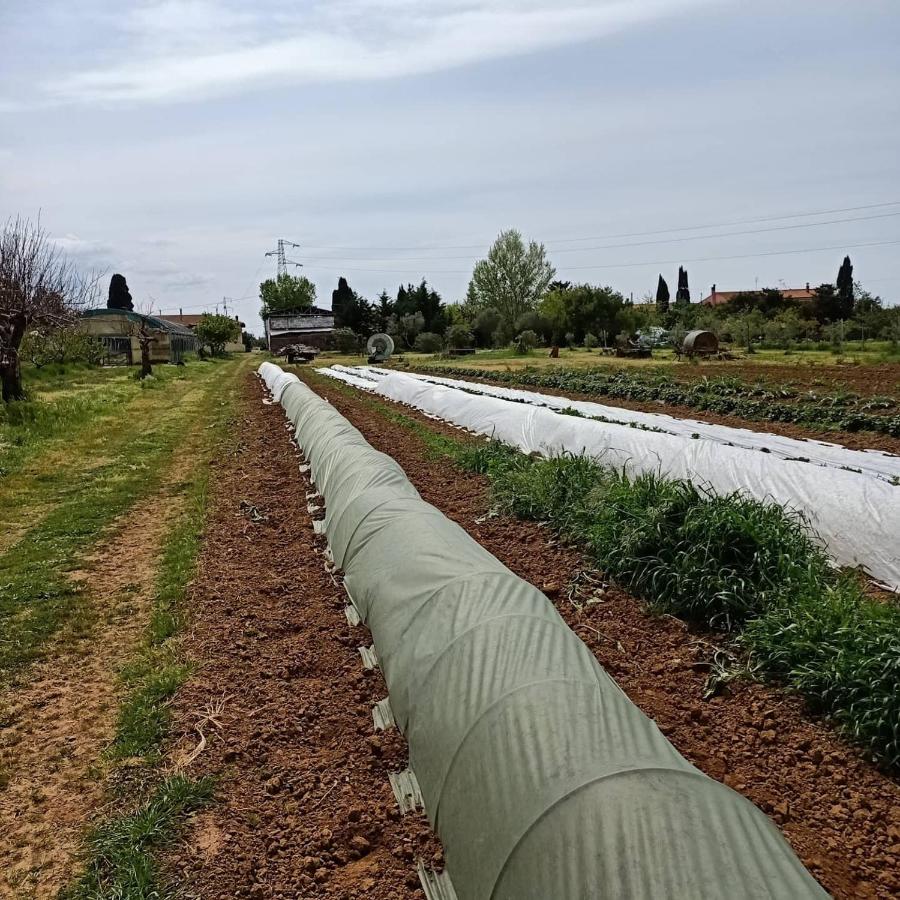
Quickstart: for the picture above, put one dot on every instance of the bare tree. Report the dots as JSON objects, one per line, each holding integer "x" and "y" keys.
{"x": 39, "y": 288}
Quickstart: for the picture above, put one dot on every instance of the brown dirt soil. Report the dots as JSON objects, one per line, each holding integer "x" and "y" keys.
{"x": 56, "y": 723}
{"x": 855, "y": 440}
{"x": 303, "y": 803}
{"x": 840, "y": 814}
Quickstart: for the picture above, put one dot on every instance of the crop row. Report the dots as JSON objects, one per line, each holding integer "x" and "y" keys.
{"x": 722, "y": 396}
{"x": 731, "y": 563}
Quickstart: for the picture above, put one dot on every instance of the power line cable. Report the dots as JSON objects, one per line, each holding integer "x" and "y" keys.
{"x": 658, "y": 262}
{"x": 610, "y": 237}
{"x": 693, "y": 237}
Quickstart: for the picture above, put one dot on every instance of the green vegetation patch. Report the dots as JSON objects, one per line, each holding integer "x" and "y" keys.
{"x": 731, "y": 563}
{"x": 37, "y": 594}
{"x": 122, "y": 861}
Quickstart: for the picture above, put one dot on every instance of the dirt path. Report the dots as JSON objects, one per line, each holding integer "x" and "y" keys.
{"x": 304, "y": 807}
{"x": 58, "y": 720}
{"x": 840, "y": 814}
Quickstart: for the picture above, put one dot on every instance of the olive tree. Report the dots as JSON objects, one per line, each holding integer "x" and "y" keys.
{"x": 513, "y": 277}
{"x": 39, "y": 288}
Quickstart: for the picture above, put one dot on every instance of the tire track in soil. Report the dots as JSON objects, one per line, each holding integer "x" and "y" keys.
{"x": 840, "y": 814}
{"x": 303, "y": 804}
{"x": 58, "y": 719}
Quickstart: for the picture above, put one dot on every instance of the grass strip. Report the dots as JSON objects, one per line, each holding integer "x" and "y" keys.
{"x": 121, "y": 854}
{"x": 731, "y": 563}
{"x": 156, "y": 673}
{"x": 122, "y": 861}
{"x": 722, "y": 395}
{"x": 37, "y": 596}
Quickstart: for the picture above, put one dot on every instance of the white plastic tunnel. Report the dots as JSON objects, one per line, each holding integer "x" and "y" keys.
{"x": 542, "y": 779}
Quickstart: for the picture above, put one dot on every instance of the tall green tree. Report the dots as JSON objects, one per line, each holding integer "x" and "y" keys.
{"x": 423, "y": 299}
{"x": 351, "y": 310}
{"x": 286, "y": 294}
{"x": 513, "y": 278}
{"x": 583, "y": 309}
{"x": 683, "y": 294}
{"x": 845, "y": 291}
{"x": 662, "y": 296}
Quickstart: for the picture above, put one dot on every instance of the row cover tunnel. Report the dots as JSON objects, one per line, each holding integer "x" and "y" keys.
{"x": 541, "y": 778}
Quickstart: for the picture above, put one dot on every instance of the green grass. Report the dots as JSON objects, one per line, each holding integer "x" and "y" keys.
{"x": 122, "y": 852}
{"x": 121, "y": 855}
{"x": 731, "y": 563}
{"x": 84, "y": 497}
{"x": 65, "y": 399}
{"x": 157, "y": 672}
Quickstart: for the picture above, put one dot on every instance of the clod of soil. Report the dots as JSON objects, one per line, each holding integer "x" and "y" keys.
{"x": 303, "y": 805}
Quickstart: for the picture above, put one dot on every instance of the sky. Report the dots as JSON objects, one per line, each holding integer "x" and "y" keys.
{"x": 175, "y": 141}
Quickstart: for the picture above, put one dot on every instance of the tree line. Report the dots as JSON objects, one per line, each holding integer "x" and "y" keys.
{"x": 514, "y": 298}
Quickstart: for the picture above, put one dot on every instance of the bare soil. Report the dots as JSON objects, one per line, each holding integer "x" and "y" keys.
{"x": 838, "y": 811}
{"x": 55, "y": 724}
{"x": 303, "y": 803}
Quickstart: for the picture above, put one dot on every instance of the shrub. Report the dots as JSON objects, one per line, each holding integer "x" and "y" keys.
{"x": 345, "y": 340}
{"x": 459, "y": 336}
{"x": 591, "y": 341}
{"x": 428, "y": 342}
{"x": 526, "y": 341}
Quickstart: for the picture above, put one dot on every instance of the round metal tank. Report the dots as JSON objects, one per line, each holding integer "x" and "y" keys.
{"x": 700, "y": 342}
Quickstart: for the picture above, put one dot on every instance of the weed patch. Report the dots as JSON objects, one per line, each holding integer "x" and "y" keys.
{"x": 121, "y": 860}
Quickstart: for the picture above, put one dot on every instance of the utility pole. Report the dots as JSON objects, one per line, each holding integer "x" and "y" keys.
{"x": 281, "y": 258}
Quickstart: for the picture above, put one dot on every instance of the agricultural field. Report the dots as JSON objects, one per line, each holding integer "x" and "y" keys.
{"x": 183, "y": 702}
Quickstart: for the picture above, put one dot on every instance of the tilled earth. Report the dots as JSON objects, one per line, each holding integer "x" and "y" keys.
{"x": 841, "y": 815}
{"x": 279, "y": 695}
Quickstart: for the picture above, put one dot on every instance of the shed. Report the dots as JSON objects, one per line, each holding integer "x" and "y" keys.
{"x": 117, "y": 329}
{"x": 700, "y": 343}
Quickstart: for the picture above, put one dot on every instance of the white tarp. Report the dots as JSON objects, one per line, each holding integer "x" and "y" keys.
{"x": 542, "y": 779}
{"x": 816, "y": 452}
{"x": 856, "y": 516}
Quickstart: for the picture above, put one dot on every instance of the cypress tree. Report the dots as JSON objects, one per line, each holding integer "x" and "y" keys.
{"x": 845, "y": 288}
{"x": 662, "y": 296}
{"x": 119, "y": 295}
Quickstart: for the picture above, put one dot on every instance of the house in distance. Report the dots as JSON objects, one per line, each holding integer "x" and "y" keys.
{"x": 719, "y": 298}
{"x": 312, "y": 326}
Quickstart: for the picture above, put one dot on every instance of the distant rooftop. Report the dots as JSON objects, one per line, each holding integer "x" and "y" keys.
{"x": 718, "y": 298}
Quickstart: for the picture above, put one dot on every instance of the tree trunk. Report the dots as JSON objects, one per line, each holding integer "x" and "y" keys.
{"x": 13, "y": 330}
{"x": 11, "y": 377}
{"x": 145, "y": 339}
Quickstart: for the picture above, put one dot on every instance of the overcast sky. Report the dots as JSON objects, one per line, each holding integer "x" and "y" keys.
{"x": 175, "y": 140}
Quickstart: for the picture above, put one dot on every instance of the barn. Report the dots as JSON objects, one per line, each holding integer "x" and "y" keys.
{"x": 313, "y": 327}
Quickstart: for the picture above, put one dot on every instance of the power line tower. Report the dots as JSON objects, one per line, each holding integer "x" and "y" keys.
{"x": 281, "y": 257}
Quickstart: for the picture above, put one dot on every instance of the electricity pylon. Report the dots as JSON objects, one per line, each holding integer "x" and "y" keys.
{"x": 282, "y": 260}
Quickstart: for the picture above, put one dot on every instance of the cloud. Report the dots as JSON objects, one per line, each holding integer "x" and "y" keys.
{"x": 190, "y": 49}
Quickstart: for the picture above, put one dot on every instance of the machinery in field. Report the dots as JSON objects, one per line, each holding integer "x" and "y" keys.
{"x": 379, "y": 347}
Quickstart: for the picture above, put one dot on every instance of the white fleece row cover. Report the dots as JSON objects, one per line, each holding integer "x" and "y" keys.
{"x": 855, "y": 516}
{"x": 543, "y": 781}
{"x": 875, "y": 463}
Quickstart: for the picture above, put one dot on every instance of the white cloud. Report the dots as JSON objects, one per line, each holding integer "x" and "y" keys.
{"x": 185, "y": 49}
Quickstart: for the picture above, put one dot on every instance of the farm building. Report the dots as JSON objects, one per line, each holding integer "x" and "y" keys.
{"x": 313, "y": 327}
{"x": 719, "y": 298}
{"x": 117, "y": 330}
{"x": 192, "y": 320}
